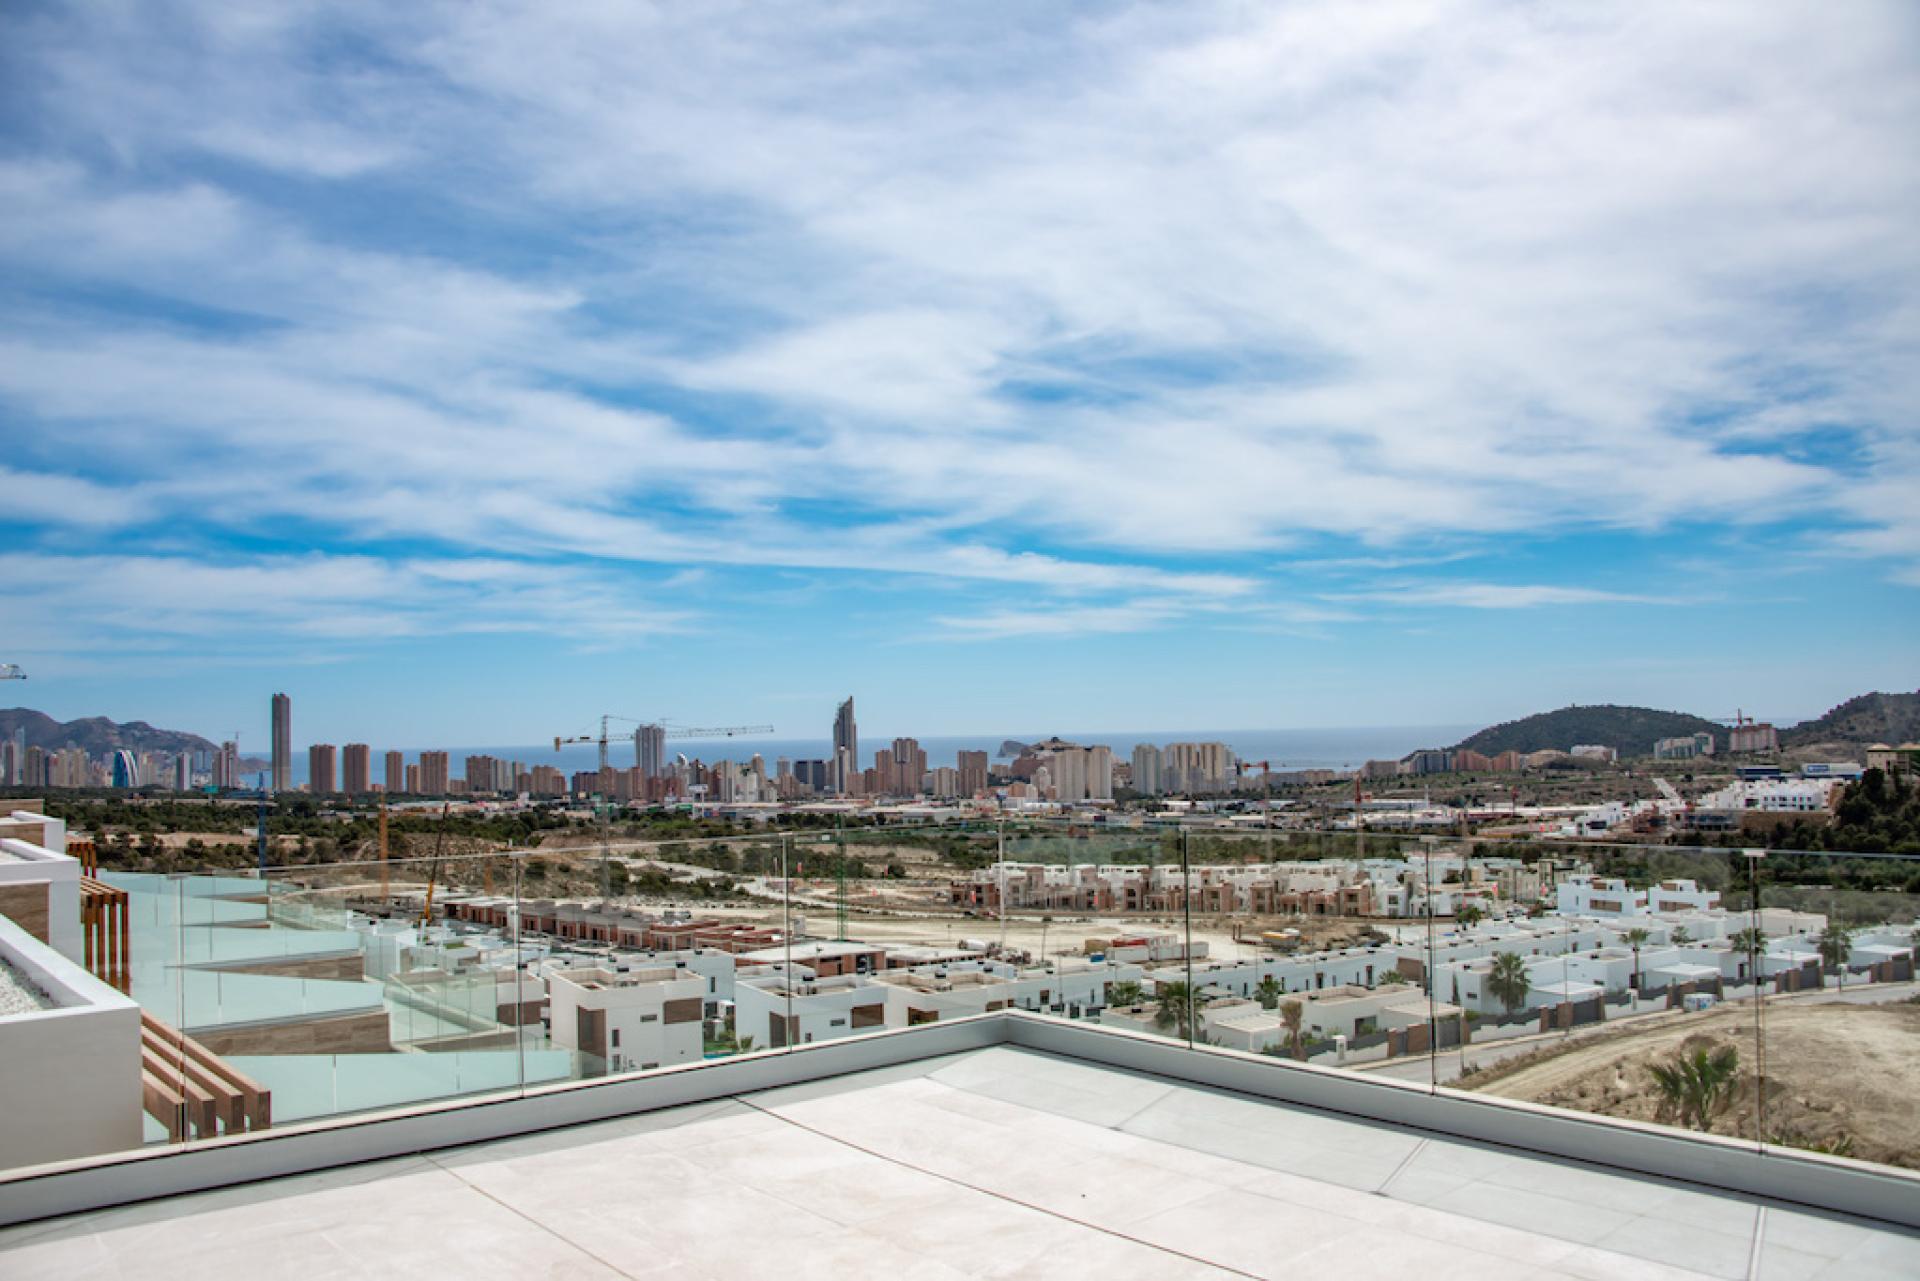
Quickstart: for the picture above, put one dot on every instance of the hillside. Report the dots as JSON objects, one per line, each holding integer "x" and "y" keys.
{"x": 96, "y": 734}
{"x": 1870, "y": 718}
{"x": 1631, "y": 731}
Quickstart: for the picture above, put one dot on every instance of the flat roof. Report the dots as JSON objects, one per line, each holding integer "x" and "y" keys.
{"x": 1000, "y": 1162}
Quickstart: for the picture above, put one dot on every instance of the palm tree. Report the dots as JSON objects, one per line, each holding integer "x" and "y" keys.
{"x": 1290, "y": 1012}
{"x": 1681, "y": 935}
{"x": 1178, "y": 1005}
{"x": 1469, "y": 915}
{"x": 1697, "y": 1087}
{"x": 1836, "y": 949}
{"x": 1636, "y": 937}
{"x": 1267, "y": 992}
{"x": 1507, "y": 980}
{"x": 1125, "y": 993}
{"x": 1750, "y": 941}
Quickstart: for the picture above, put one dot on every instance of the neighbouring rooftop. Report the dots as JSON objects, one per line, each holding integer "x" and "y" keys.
{"x": 999, "y": 1162}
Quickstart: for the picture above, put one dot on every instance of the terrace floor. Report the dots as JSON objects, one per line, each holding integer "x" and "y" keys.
{"x": 1000, "y": 1162}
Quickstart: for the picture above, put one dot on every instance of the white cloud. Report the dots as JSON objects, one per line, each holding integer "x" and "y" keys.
{"x": 1491, "y": 595}
{"x": 97, "y": 601}
{"x": 1207, "y": 282}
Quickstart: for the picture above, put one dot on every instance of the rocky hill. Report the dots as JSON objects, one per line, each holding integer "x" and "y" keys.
{"x": 96, "y": 734}
{"x": 1870, "y": 718}
{"x": 1630, "y": 731}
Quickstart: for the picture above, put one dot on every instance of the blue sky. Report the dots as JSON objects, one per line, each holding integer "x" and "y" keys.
{"x": 468, "y": 370}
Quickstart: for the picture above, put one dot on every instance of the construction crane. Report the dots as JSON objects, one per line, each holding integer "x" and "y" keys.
{"x": 11, "y": 672}
{"x": 1240, "y": 769}
{"x": 603, "y": 802}
{"x": 433, "y": 870}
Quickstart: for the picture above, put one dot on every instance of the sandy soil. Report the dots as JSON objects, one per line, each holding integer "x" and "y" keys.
{"x": 1842, "y": 1074}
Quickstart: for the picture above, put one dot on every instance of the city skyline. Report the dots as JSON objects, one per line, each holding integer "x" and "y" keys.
{"x": 995, "y": 370}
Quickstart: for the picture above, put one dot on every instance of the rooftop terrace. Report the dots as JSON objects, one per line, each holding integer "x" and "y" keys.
{"x": 1000, "y": 1162}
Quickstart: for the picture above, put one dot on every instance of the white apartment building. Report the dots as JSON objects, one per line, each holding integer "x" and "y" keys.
{"x": 1775, "y": 795}
{"x": 631, "y": 1018}
{"x": 1605, "y": 896}
{"x": 777, "y": 1007}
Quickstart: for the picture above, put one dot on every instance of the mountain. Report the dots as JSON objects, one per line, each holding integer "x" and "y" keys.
{"x": 96, "y": 734}
{"x": 1870, "y": 718}
{"x": 1630, "y": 731}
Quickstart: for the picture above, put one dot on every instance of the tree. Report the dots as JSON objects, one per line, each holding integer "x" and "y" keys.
{"x": 1697, "y": 1087}
{"x": 1750, "y": 942}
{"x": 1469, "y": 915}
{"x": 1178, "y": 1004}
{"x": 1267, "y": 992}
{"x": 1290, "y": 1015}
{"x": 1681, "y": 935}
{"x": 1124, "y": 993}
{"x": 1636, "y": 937}
{"x": 1507, "y": 981}
{"x": 1836, "y": 949}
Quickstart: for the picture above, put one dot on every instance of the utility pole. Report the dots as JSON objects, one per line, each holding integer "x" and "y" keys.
{"x": 260, "y": 826}
{"x": 383, "y": 849}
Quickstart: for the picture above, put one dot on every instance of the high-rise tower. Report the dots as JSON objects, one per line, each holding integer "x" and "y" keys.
{"x": 282, "y": 743}
{"x": 356, "y": 769}
{"x": 321, "y": 774}
{"x": 845, "y": 735}
{"x": 650, "y": 750}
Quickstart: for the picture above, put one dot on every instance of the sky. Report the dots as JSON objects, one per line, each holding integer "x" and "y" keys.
{"x": 469, "y": 370}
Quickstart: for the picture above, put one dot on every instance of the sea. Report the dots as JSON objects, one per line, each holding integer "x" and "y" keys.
{"x": 1282, "y": 749}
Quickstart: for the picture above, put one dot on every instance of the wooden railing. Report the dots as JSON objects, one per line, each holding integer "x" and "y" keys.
{"x": 186, "y": 1086}
{"x": 105, "y": 929}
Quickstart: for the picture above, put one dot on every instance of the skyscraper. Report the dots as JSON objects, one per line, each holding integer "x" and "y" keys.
{"x": 226, "y": 765}
{"x": 1147, "y": 766}
{"x": 650, "y": 750}
{"x": 124, "y": 767}
{"x": 396, "y": 772}
{"x": 973, "y": 773}
{"x": 320, "y": 772}
{"x": 282, "y": 743}
{"x": 356, "y": 769}
{"x": 433, "y": 774}
{"x": 909, "y": 768}
{"x": 845, "y": 735}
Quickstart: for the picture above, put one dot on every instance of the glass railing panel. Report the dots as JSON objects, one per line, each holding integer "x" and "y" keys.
{"x": 1836, "y": 1010}
{"x": 1603, "y": 966}
{"x": 672, "y": 929}
{"x": 378, "y": 984}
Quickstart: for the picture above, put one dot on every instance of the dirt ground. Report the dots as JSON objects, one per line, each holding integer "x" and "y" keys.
{"x": 1840, "y": 1076}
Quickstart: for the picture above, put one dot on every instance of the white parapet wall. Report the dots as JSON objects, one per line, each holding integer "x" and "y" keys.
{"x": 73, "y": 1071}
{"x": 24, "y": 864}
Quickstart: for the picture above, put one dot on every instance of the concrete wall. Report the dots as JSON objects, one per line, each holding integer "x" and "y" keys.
{"x": 34, "y": 863}
{"x": 72, "y": 1073}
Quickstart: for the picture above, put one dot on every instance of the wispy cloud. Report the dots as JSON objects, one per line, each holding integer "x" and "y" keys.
{"x": 1118, "y": 309}
{"x": 325, "y": 599}
{"x": 1492, "y": 595}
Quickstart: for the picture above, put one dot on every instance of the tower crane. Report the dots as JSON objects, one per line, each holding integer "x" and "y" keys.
{"x": 602, "y": 801}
